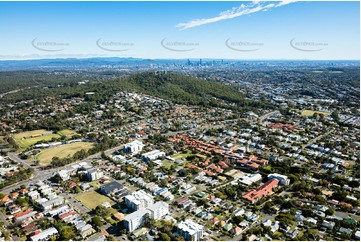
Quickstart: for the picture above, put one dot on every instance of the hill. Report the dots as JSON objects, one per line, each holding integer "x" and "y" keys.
{"x": 178, "y": 88}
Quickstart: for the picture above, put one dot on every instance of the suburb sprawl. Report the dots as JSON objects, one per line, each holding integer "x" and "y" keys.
{"x": 192, "y": 151}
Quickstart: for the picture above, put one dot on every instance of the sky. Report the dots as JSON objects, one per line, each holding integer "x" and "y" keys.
{"x": 222, "y": 30}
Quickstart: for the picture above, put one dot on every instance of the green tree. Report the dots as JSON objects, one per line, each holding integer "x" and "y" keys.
{"x": 164, "y": 237}
{"x": 97, "y": 221}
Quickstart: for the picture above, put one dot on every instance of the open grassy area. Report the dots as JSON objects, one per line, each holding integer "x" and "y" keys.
{"x": 67, "y": 132}
{"x": 311, "y": 112}
{"x": 93, "y": 199}
{"x": 167, "y": 163}
{"x": 95, "y": 184}
{"x": 29, "y": 134}
{"x": 179, "y": 156}
{"x": 26, "y": 143}
{"x": 29, "y": 138}
{"x": 61, "y": 151}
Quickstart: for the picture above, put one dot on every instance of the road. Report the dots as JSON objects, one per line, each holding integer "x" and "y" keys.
{"x": 317, "y": 138}
{"x": 14, "y": 91}
{"x": 267, "y": 115}
{"x": 74, "y": 203}
{"x": 234, "y": 182}
{"x": 14, "y": 157}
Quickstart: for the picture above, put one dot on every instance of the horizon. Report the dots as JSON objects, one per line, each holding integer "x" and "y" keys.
{"x": 185, "y": 58}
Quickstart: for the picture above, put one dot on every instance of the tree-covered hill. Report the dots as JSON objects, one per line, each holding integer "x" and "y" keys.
{"x": 178, "y": 88}
{"x": 184, "y": 89}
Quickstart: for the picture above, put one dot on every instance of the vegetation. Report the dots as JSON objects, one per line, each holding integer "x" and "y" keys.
{"x": 22, "y": 174}
{"x": 175, "y": 87}
{"x": 92, "y": 199}
{"x": 312, "y": 113}
{"x": 29, "y": 138}
{"x": 46, "y": 156}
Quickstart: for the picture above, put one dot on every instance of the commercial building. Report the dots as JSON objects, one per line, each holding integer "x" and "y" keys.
{"x": 249, "y": 180}
{"x": 111, "y": 188}
{"x": 152, "y": 155}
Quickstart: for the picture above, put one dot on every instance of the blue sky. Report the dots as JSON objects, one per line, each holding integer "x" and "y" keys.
{"x": 263, "y": 30}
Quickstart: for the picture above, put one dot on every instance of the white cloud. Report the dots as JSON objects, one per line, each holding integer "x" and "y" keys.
{"x": 235, "y": 12}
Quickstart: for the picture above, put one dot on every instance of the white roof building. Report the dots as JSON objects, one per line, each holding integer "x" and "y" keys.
{"x": 134, "y": 147}
{"x": 283, "y": 180}
{"x": 64, "y": 175}
{"x": 138, "y": 200}
{"x": 248, "y": 180}
{"x": 134, "y": 220}
{"x": 158, "y": 210}
{"x": 152, "y": 155}
{"x": 44, "y": 235}
{"x": 94, "y": 174}
{"x": 190, "y": 230}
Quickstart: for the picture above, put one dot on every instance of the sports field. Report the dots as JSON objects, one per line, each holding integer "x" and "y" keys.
{"x": 29, "y": 134}
{"x": 26, "y": 143}
{"x": 92, "y": 199}
{"x": 61, "y": 151}
{"x": 311, "y": 112}
{"x": 29, "y": 138}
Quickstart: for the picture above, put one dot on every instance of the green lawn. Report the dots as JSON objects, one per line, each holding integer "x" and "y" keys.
{"x": 67, "y": 132}
{"x": 179, "y": 156}
{"x": 168, "y": 163}
{"x": 93, "y": 199}
{"x": 29, "y": 138}
{"x": 26, "y": 143}
{"x": 95, "y": 184}
{"x": 28, "y": 134}
{"x": 61, "y": 151}
{"x": 311, "y": 112}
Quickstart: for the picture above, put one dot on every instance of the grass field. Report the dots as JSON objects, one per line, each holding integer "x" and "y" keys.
{"x": 95, "y": 184}
{"x": 311, "y": 112}
{"x": 61, "y": 151}
{"x": 25, "y": 143}
{"x": 179, "y": 156}
{"x": 92, "y": 199}
{"x": 27, "y": 134}
{"x": 167, "y": 163}
{"x": 67, "y": 132}
{"x": 25, "y": 139}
